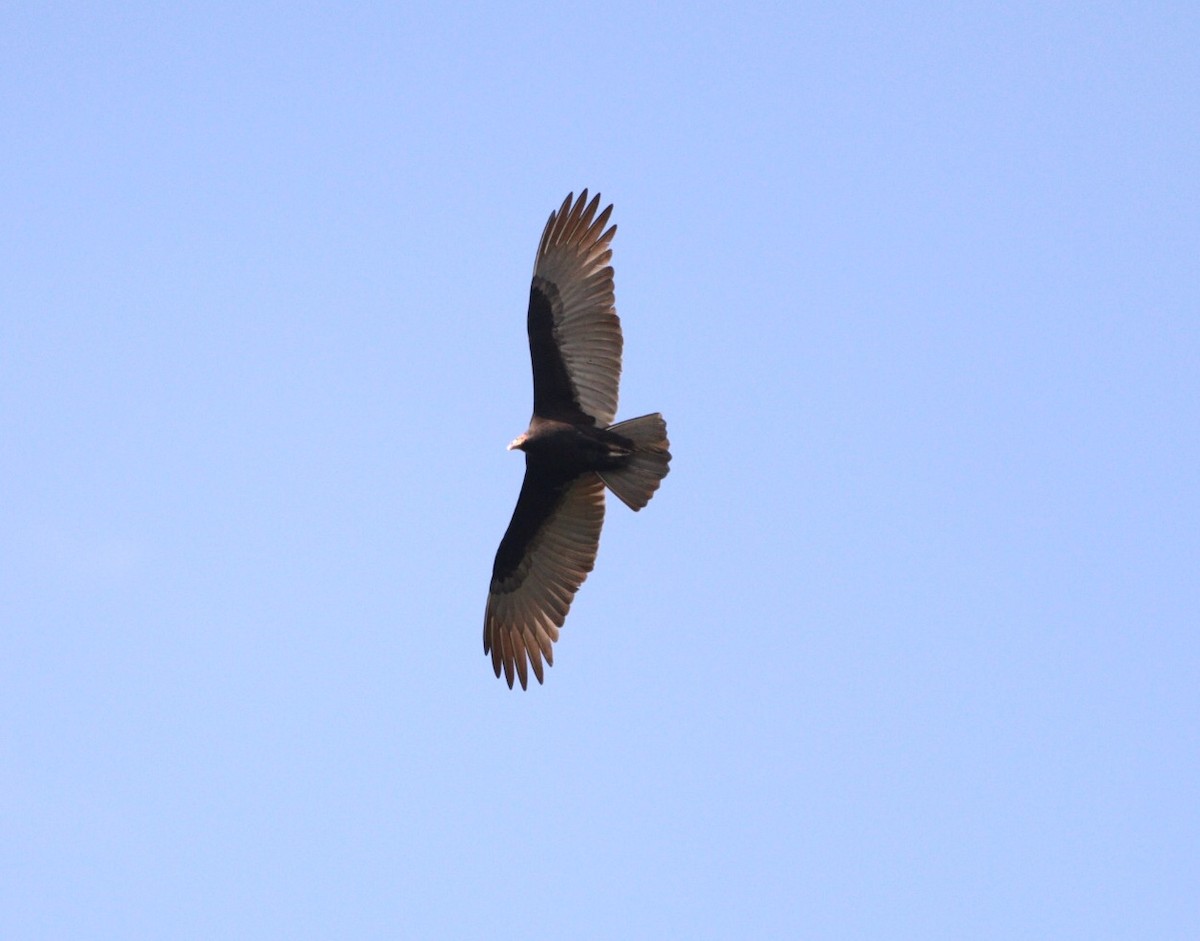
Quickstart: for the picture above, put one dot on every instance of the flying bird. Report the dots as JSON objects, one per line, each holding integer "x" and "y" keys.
{"x": 572, "y": 448}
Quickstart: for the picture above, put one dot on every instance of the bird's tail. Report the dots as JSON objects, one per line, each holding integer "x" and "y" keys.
{"x": 636, "y": 480}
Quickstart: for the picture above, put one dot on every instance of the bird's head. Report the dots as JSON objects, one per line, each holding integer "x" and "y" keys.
{"x": 518, "y": 443}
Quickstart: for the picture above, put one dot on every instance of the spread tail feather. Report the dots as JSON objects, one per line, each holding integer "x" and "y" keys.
{"x": 637, "y": 479}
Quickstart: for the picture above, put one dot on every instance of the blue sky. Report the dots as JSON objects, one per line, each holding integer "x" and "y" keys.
{"x": 905, "y": 647}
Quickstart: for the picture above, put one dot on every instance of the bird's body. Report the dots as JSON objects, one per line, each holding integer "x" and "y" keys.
{"x": 572, "y": 449}
{"x": 579, "y": 447}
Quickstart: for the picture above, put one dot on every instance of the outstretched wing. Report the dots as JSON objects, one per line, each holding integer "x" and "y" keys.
{"x": 574, "y": 334}
{"x": 547, "y": 552}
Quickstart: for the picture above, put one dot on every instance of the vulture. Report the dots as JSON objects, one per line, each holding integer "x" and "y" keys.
{"x": 573, "y": 451}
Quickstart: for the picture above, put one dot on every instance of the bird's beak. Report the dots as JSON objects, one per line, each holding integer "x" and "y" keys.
{"x": 516, "y": 443}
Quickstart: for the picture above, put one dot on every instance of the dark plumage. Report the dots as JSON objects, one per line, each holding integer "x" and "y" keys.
{"x": 572, "y": 449}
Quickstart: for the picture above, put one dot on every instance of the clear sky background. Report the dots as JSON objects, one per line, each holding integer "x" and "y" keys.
{"x": 905, "y": 647}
